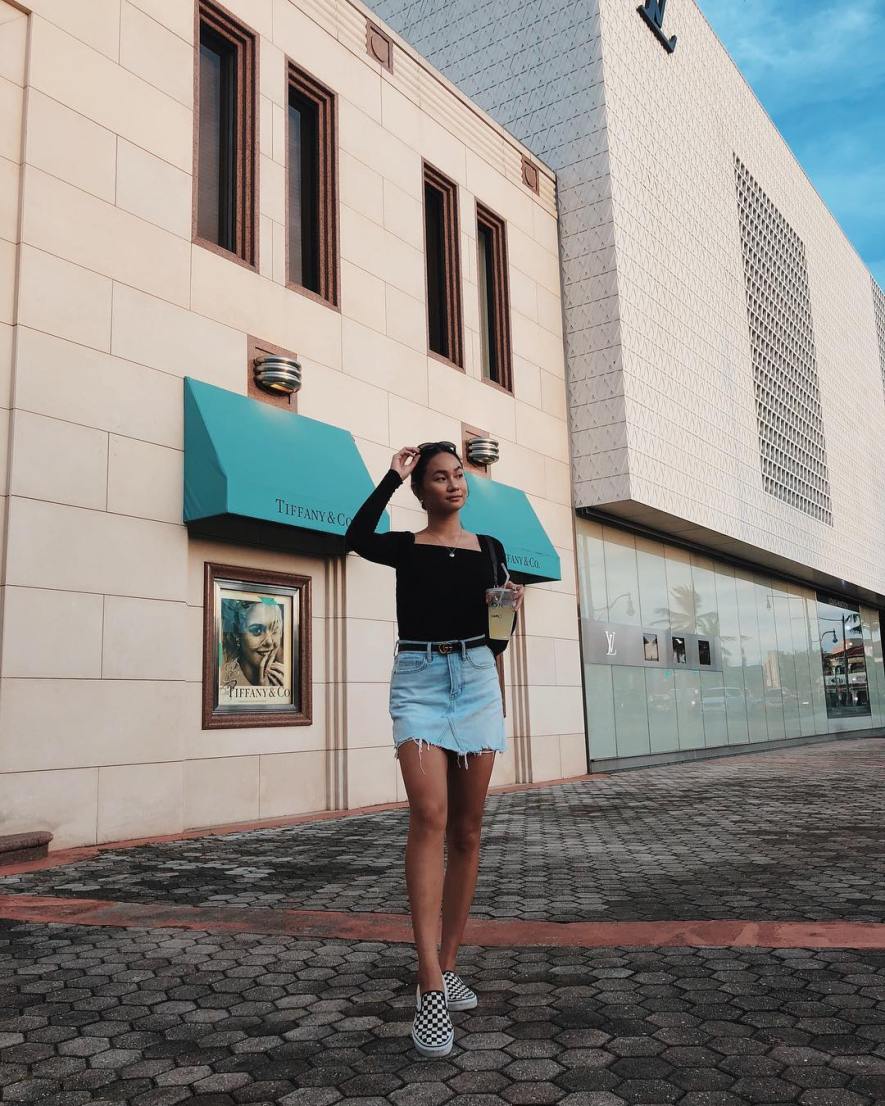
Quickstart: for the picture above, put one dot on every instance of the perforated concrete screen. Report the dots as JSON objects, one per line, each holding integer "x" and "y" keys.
{"x": 879, "y": 312}
{"x": 788, "y": 410}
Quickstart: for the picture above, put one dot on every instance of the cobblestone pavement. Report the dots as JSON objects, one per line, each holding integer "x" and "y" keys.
{"x": 790, "y": 835}
{"x": 159, "y": 1017}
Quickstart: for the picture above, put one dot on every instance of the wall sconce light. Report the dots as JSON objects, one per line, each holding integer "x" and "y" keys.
{"x": 278, "y": 375}
{"x": 482, "y": 451}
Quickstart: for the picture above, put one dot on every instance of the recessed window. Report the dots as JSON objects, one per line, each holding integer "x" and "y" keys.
{"x": 225, "y": 146}
{"x": 442, "y": 258}
{"x": 704, "y": 655}
{"x": 312, "y": 232}
{"x": 679, "y": 656}
{"x": 494, "y": 297}
{"x": 650, "y": 650}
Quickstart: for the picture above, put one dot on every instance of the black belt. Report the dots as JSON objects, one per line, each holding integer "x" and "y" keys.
{"x": 442, "y": 646}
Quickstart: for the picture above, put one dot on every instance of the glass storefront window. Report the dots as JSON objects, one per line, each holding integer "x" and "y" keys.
{"x": 846, "y": 687}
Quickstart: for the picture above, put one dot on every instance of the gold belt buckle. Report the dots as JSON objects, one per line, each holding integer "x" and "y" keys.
{"x": 446, "y": 647}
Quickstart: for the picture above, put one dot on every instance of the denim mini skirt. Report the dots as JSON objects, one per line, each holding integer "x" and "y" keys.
{"x": 451, "y": 700}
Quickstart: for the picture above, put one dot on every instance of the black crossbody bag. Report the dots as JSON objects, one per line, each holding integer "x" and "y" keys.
{"x": 497, "y": 647}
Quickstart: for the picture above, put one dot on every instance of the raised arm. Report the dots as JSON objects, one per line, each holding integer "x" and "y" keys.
{"x": 360, "y": 536}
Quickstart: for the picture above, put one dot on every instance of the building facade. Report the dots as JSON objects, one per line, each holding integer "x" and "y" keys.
{"x": 725, "y": 351}
{"x": 200, "y": 202}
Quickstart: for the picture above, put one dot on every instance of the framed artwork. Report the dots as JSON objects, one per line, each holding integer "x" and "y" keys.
{"x": 256, "y": 648}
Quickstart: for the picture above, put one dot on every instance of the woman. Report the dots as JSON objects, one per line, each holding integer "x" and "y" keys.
{"x": 445, "y": 702}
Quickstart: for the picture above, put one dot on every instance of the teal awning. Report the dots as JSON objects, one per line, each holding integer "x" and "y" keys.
{"x": 505, "y": 513}
{"x": 257, "y": 473}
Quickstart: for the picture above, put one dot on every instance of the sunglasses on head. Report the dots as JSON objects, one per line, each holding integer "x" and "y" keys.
{"x": 450, "y": 446}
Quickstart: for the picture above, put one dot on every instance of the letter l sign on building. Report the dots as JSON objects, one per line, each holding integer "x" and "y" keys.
{"x": 652, "y": 11}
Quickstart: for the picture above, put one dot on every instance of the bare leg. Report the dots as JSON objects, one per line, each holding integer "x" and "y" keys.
{"x": 467, "y": 795}
{"x": 428, "y": 806}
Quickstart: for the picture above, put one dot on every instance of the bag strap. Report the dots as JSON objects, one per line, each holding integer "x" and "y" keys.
{"x": 490, "y": 545}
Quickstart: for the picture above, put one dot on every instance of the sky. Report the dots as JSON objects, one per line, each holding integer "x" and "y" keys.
{"x": 818, "y": 68}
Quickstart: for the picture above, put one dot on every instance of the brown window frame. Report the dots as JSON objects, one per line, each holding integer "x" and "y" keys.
{"x": 245, "y": 43}
{"x": 499, "y": 338}
{"x": 451, "y": 259}
{"x": 326, "y": 103}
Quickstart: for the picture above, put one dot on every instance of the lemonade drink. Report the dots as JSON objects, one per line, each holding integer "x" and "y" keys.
{"x": 501, "y": 613}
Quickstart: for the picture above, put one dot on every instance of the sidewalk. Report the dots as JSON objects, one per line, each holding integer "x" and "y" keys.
{"x": 708, "y": 934}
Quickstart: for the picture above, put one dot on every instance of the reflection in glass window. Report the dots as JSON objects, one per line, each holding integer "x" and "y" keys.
{"x": 842, "y": 655}
{"x": 704, "y": 652}
{"x": 679, "y": 650}
{"x": 650, "y": 647}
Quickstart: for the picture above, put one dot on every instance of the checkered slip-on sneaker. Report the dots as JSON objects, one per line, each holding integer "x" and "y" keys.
{"x": 458, "y": 994}
{"x": 432, "y": 1029}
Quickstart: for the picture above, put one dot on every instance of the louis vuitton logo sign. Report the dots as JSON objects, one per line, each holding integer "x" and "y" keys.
{"x": 610, "y": 643}
{"x": 652, "y": 11}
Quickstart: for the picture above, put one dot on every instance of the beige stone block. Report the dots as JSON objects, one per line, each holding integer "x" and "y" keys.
{"x": 543, "y": 432}
{"x": 532, "y": 259}
{"x": 177, "y": 17}
{"x": 145, "y": 480}
{"x": 9, "y": 176}
{"x": 139, "y": 800}
{"x": 541, "y": 659}
{"x": 61, "y": 462}
{"x": 487, "y": 182}
{"x": 573, "y": 754}
{"x": 504, "y": 772}
{"x": 272, "y": 74}
{"x": 153, "y": 332}
{"x": 526, "y": 382}
{"x": 371, "y": 589}
{"x": 96, "y": 24}
{"x": 371, "y": 777}
{"x": 51, "y": 634}
{"x": 337, "y": 398}
{"x": 363, "y": 297}
{"x": 82, "y": 550}
{"x": 193, "y": 668}
{"x": 362, "y": 137}
{"x": 550, "y": 311}
{"x": 144, "y": 639}
{"x": 265, "y": 126}
{"x": 403, "y": 215}
{"x": 64, "y": 299}
{"x": 292, "y": 783}
{"x": 443, "y": 150}
{"x": 156, "y": 54}
{"x": 6, "y": 335}
{"x": 523, "y": 295}
{"x": 236, "y": 296}
{"x": 411, "y": 423}
{"x": 402, "y": 266}
{"x": 153, "y": 189}
{"x": 256, "y": 15}
{"x": 546, "y": 758}
{"x": 11, "y": 99}
{"x": 265, "y": 246}
{"x": 7, "y": 281}
{"x": 370, "y": 645}
{"x": 361, "y": 188}
{"x": 381, "y": 361}
{"x": 219, "y": 791}
{"x": 400, "y": 115}
{"x": 557, "y": 520}
{"x": 13, "y": 45}
{"x": 554, "y": 396}
{"x": 453, "y": 393}
{"x": 406, "y": 319}
{"x": 200, "y": 552}
{"x": 568, "y": 662}
{"x": 272, "y": 189}
{"x": 61, "y": 219}
{"x": 316, "y": 48}
{"x": 368, "y": 716}
{"x": 71, "y": 382}
{"x": 70, "y": 146}
{"x": 62, "y": 802}
{"x": 558, "y": 487}
{"x": 279, "y": 138}
{"x": 102, "y": 90}
{"x": 551, "y": 613}
{"x": 278, "y": 244}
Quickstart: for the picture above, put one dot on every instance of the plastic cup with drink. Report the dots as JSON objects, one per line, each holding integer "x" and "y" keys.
{"x": 501, "y": 613}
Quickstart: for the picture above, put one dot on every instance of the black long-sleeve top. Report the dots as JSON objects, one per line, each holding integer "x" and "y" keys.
{"x": 438, "y": 597}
